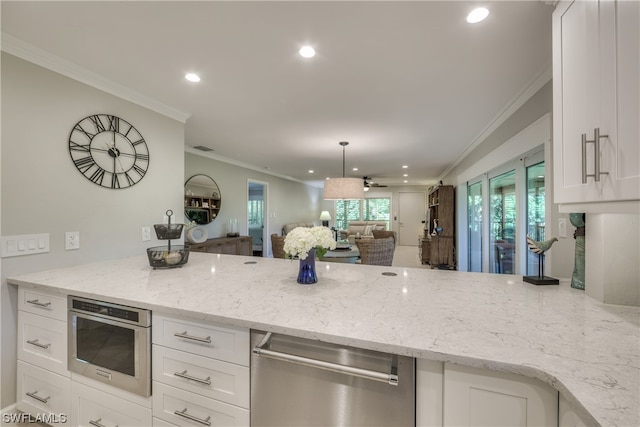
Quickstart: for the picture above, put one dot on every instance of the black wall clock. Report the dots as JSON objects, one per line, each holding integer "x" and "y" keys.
{"x": 109, "y": 151}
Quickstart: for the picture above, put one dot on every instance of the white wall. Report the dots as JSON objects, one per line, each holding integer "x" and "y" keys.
{"x": 43, "y": 192}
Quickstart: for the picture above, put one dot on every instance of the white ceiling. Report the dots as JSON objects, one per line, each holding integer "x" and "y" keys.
{"x": 406, "y": 83}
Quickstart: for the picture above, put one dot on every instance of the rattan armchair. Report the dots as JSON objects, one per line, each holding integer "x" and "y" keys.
{"x": 383, "y": 234}
{"x": 376, "y": 251}
{"x": 277, "y": 246}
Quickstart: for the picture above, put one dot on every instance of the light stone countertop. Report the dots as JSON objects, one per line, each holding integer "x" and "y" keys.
{"x": 587, "y": 350}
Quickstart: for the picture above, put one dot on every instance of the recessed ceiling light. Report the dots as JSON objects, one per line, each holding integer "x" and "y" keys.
{"x": 307, "y": 52}
{"x": 404, "y": 166}
{"x": 192, "y": 77}
{"x": 310, "y": 170}
{"x": 355, "y": 169}
{"x": 405, "y": 181}
{"x": 477, "y": 15}
{"x": 405, "y": 175}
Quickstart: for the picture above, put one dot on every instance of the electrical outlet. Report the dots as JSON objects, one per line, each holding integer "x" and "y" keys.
{"x": 146, "y": 233}
{"x": 71, "y": 240}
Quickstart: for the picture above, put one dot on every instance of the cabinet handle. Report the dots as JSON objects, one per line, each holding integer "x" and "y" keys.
{"x": 596, "y": 156}
{"x": 97, "y": 423}
{"x": 37, "y": 344}
{"x": 38, "y": 303}
{"x": 584, "y": 158}
{"x": 191, "y": 337}
{"x": 596, "y": 141}
{"x": 184, "y": 414}
{"x": 35, "y": 396}
{"x": 184, "y": 375}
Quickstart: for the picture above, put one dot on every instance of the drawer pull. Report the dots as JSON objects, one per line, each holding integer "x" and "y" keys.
{"x": 184, "y": 414}
{"x": 97, "y": 423}
{"x": 35, "y": 396}
{"x": 184, "y": 375}
{"x": 191, "y": 337}
{"x": 37, "y": 344}
{"x": 38, "y": 303}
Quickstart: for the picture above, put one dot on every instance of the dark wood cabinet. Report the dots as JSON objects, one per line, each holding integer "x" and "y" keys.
{"x": 440, "y": 234}
{"x": 242, "y": 245}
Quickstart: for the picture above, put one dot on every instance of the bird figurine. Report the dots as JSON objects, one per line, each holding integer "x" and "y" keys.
{"x": 540, "y": 247}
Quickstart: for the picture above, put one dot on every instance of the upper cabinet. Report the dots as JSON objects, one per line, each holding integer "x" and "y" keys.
{"x": 596, "y": 102}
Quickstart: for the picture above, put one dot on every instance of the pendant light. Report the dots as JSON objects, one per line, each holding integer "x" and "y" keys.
{"x": 343, "y": 188}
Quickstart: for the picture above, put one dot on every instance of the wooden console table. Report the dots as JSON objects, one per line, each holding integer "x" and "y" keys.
{"x": 242, "y": 245}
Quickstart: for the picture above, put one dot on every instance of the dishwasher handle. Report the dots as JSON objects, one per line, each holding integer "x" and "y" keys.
{"x": 390, "y": 378}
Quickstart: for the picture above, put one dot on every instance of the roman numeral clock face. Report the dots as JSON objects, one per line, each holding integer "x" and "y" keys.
{"x": 109, "y": 151}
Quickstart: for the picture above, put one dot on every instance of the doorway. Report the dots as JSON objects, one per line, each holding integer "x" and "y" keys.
{"x": 412, "y": 213}
{"x": 257, "y": 220}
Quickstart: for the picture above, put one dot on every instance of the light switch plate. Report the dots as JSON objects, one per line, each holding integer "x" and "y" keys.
{"x": 562, "y": 227}
{"x": 25, "y": 244}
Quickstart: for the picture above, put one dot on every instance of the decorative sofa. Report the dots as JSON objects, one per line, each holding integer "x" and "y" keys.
{"x": 288, "y": 227}
{"x": 364, "y": 228}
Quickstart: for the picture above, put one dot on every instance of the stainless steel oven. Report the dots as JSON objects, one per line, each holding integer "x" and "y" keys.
{"x": 110, "y": 343}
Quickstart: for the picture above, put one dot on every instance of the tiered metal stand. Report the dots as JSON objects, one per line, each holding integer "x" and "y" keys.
{"x": 168, "y": 256}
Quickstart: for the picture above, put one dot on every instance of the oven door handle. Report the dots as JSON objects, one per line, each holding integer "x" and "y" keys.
{"x": 193, "y": 338}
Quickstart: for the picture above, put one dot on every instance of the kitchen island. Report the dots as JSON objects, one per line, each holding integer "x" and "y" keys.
{"x": 588, "y": 351}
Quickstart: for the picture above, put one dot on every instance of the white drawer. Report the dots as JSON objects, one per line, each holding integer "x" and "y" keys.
{"x": 43, "y": 342}
{"x": 42, "y": 303}
{"x": 220, "y": 342}
{"x": 42, "y": 392}
{"x": 212, "y": 378}
{"x": 90, "y": 405}
{"x": 188, "y": 409}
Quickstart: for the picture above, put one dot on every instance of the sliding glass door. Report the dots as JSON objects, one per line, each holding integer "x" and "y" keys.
{"x": 502, "y": 223}
{"x": 474, "y": 215}
{"x": 535, "y": 211}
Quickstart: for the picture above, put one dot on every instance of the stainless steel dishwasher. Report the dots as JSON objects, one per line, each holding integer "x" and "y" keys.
{"x": 301, "y": 382}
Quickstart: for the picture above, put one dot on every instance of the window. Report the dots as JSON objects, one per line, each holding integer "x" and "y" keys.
{"x": 369, "y": 209}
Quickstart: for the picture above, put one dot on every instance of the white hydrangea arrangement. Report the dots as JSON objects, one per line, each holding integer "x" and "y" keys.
{"x": 301, "y": 240}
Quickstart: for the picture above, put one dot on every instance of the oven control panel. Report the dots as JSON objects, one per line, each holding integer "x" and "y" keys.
{"x": 110, "y": 310}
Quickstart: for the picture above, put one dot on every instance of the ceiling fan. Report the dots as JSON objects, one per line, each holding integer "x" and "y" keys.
{"x": 369, "y": 183}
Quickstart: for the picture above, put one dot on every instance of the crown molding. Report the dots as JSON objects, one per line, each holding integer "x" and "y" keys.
{"x": 518, "y": 101}
{"x": 212, "y": 155}
{"x": 28, "y": 52}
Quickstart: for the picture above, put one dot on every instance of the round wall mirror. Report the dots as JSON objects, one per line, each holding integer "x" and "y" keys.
{"x": 201, "y": 199}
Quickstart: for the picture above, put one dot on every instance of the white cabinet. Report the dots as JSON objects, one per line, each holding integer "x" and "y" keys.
{"x": 43, "y": 381}
{"x": 200, "y": 373}
{"x": 43, "y": 392}
{"x": 480, "y": 397}
{"x": 596, "y": 89}
{"x": 93, "y": 407}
